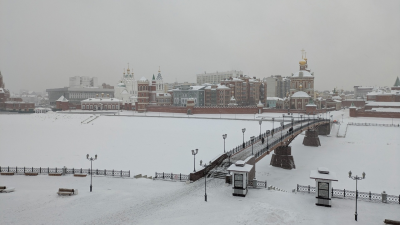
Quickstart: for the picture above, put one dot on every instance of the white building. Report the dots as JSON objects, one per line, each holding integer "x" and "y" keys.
{"x": 216, "y": 78}
{"x": 76, "y": 82}
{"x": 101, "y": 103}
{"x": 127, "y": 88}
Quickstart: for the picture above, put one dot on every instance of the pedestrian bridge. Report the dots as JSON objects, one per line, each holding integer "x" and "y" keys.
{"x": 280, "y": 139}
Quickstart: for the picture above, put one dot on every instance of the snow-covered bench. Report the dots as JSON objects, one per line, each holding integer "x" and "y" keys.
{"x": 31, "y": 174}
{"x": 65, "y": 191}
{"x": 80, "y": 175}
{"x": 7, "y": 173}
{"x": 4, "y": 189}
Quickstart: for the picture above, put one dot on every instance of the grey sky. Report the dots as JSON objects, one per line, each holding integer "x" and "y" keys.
{"x": 42, "y": 43}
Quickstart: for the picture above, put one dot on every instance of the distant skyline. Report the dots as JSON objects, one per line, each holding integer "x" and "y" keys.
{"x": 44, "y": 42}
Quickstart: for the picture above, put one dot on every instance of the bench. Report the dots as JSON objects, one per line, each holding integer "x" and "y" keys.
{"x": 80, "y": 175}
{"x": 55, "y": 174}
{"x": 4, "y": 189}
{"x": 7, "y": 173}
{"x": 66, "y": 191}
{"x": 391, "y": 221}
{"x": 31, "y": 174}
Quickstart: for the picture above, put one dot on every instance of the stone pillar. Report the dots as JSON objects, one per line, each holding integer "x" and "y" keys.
{"x": 324, "y": 129}
{"x": 311, "y": 138}
{"x": 282, "y": 158}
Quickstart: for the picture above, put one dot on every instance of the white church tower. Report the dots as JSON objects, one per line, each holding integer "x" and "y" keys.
{"x": 126, "y": 90}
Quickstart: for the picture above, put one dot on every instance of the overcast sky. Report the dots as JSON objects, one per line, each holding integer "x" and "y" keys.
{"x": 348, "y": 43}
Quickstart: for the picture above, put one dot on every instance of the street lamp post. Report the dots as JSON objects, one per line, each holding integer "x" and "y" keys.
{"x": 267, "y": 137}
{"x": 252, "y": 141}
{"x": 273, "y": 123}
{"x": 356, "y": 178}
{"x": 224, "y": 137}
{"x": 292, "y": 124}
{"x": 342, "y": 117}
{"x": 205, "y": 181}
{"x": 243, "y": 130}
{"x": 91, "y": 159}
{"x": 194, "y": 153}
{"x": 260, "y": 122}
{"x": 301, "y": 116}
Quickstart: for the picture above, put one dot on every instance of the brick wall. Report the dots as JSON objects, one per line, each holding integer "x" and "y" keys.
{"x": 384, "y": 98}
{"x": 363, "y": 113}
{"x": 347, "y": 103}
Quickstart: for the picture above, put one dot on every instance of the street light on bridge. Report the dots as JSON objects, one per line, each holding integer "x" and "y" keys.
{"x": 243, "y": 130}
{"x": 260, "y": 122}
{"x": 252, "y": 141}
{"x": 224, "y": 137}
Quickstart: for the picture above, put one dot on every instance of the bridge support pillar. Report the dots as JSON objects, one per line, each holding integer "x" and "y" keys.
{"x": 282, "y": 158}
{"x": 311, "y": 138}
{"x": 324, "y": 129}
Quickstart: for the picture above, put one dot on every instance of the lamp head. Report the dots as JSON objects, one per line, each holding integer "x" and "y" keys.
{"x": 363, "y": 175}
{"x": 201, "y": 162}
{"x": 192, "y": 152}
{"x": 349, "y": 173}
{"x": 244, "y": 130}
{"x": 260, "y": 122}
{"x": 87, "y": 156}
{"x": 95, "y": 156}
{"x": 197, "y": 150}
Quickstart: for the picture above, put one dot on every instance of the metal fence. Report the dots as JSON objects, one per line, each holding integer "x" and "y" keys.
{"x": 47, "y": 170}
{"x": 171, "y": 176}
{"x": 260, "y": 184}
{"x": 374, "y": 124}
{"x": 346, "y": 194}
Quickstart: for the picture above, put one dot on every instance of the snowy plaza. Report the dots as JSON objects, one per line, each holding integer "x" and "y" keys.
{"x": 161, "y": 142}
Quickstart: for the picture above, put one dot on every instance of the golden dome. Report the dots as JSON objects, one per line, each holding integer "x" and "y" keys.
{"x": 301, "y": 86}
{"x": 302, "y": 62}
{"x": 305, "y": 58}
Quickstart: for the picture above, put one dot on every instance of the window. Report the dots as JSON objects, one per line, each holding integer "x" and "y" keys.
{"x": 323, "y": 189}
{"x": 109, "y": 106}
{"x": 83, "y": 106}
{"x": 113, "y": 107}
{"x": 238, "y": 180}
{"x": 91, "y": 106}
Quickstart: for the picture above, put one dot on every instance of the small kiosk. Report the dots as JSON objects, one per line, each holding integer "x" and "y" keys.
{"x": 240, "y": 176}
{"x": 323, "y": 185}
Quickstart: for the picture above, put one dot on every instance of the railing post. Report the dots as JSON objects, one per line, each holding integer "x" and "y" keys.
{"x": 162, "y": 175}
{"x": 155, "y": 175}
{"x": 121, "y": 173}
{"x": 32, "y": 169}
{"x": 331, "y": 193}
{"x": 172, "y": 176}
{"x": 8, "y": 169}
{"x": 97, "y": 171}
{"x": 48, "y": 169}
{"x": 113, "y": 172}
{"x": 180, "y": 176}
{"x": 370, "y": 195}
{"x": 308, "y": 188}
{"x": 105, "y": 172}
{"x": 24, "y": 169}
{"x": 81, "y": 170}
{"x": 129, "y": 173}
{"x": 344, "y": 193}
{"x": 40, "y": 170}
{"x": 56, "y": 169}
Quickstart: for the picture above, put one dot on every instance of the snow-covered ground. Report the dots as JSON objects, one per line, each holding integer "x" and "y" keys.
{"x": 155, "y": 143}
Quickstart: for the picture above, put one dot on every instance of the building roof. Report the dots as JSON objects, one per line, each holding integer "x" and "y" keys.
{"x": 273, "y": 99}
{"x": 314, "y": 174}
{"x": 246, "y": 168}
{"x": 2, "y": 91}
{"x": 143, "y": 79}
{"x": 163, "y": 95}
{"x": 305, "y": 74}
{"x": 300, "y": 94}
{"x": 386, "y": 109}
{"x": 62, "y": 99}
{"x": 100, "y": 100}
{"x": 383, "y": 104}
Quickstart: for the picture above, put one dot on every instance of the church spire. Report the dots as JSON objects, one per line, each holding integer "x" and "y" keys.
{"x": 396, "y": 84}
